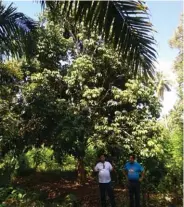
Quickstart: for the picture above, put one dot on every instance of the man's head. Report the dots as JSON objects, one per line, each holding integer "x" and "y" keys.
{"x": 132, "y": 158}
{"x": 102, "y": 158}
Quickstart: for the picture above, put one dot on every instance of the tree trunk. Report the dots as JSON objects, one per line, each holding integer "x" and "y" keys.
{"x": 81, "y": 171}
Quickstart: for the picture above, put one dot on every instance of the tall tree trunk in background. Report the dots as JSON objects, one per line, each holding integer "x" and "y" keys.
{"x": 81, "y": 171}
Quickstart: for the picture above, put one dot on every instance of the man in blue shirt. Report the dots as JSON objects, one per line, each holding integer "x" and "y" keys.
{"x": 134, "y": 173}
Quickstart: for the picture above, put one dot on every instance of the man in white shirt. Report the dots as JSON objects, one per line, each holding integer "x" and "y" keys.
{"x": 104, "y": 168}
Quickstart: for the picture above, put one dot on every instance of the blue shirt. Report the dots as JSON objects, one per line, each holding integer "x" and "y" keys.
{"x": 134, "y": 170}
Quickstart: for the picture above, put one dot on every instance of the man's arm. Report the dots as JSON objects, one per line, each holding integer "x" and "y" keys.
{"x": 96, "y": 169}
{"x": 111, "y": 167}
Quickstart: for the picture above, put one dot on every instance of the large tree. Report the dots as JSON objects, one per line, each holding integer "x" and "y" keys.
{"x": 90, "y": 99}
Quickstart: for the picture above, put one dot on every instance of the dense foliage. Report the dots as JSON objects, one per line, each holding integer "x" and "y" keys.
{"x": 75, "y": 97}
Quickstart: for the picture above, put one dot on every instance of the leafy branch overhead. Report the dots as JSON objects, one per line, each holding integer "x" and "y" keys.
{"x": 16, "y": 32}
{"x": 125, "y": 23}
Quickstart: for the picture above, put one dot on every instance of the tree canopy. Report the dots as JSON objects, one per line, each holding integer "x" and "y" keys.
{"x": 123, "y": 23}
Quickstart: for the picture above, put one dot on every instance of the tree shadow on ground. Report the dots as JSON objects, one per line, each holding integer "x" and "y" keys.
{"x": 53, "y": 188}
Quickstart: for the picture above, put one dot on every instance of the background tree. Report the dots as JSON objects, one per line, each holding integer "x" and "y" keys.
{"x": 176, "y": 42}
{"x": 174, "y": 157}
{"x": 163, "y": 84}
{"x": 10, "y": 77}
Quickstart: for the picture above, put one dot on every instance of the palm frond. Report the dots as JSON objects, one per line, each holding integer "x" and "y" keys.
{"x": 167, "y": 87}
{"x": 125, "y": 23}
{"x": 15, "y": 31}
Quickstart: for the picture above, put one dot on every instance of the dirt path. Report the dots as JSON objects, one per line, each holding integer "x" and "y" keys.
{"x": 56, "y": 189}
{"x": 53, "y": 188}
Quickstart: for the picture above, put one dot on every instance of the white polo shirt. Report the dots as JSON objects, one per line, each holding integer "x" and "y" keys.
{"x": 104, "y": 171}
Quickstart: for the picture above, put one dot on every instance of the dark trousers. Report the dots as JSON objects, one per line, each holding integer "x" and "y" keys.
{"x": 134, "y": 193}
{"x": 106, "y": 188}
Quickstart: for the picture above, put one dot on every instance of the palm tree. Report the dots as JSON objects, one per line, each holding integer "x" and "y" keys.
{"x": 16, "y": 32}
{"x": 125, "y": 23}
{"x": 163, "y": 84}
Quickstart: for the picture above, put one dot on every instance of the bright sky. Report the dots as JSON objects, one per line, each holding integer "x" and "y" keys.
{"x": 165, "y": 17}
